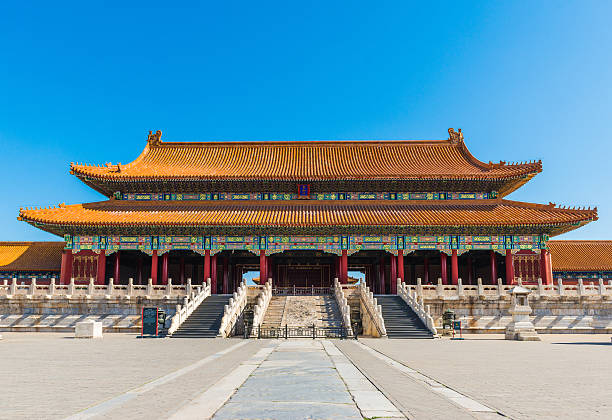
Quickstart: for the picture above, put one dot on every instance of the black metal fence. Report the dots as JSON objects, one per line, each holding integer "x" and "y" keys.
{"x": 297, "y": 332}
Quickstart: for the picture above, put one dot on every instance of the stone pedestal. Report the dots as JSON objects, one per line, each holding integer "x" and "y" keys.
{"x": 521, "y": 328}
{"x": 88, "y": 329}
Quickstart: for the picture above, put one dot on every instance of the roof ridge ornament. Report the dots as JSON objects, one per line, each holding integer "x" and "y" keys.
{"x": 455, "y": 136}
{"x": 154, "y": 139}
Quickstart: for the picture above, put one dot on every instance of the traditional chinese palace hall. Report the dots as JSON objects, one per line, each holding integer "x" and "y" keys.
{"x": 305, "y": 212}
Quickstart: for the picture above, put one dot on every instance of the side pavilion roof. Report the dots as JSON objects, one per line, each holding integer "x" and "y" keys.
{"x": 31, "y": 256}
{"x": 306, "y": 161}
{"x": 581, "y": 255}
{"x": 309, "y": 216}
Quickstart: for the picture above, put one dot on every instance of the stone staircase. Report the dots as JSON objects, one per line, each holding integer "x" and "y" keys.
{"x": 274, "y": 314}
{"x": 205, "y": 321}
{"x": 302, "y": 311}
{"x": 400, "y": 320}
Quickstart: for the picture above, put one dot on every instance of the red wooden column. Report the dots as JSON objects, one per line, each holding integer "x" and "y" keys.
{"x": 101, "y": 269}
{"x": 546, "y": 267}
{"x": 154, "y": 267}
{"x": 66, "y": 270}
{"x": 509, "y": 267}
{"x": 116, "y": 271}
{"x": 206, "y": 265}
{"x": 493, "y": 267}
{"x": 182, "y": 270}
{"x": 443, "y": 267}
{"x": 426, "y": 270}
{"x": 262, "y": 266}
{"x": 213, "y": 274}
{"x": 165, "y": 258}
{"x": 400, "y": 264}
{"x": 344, "y": 267}
{"x": 393, "y": 275}
{"x": 454, "y": 267}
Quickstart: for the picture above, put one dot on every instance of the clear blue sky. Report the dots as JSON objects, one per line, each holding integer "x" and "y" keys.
{"x": 85, "y": 82}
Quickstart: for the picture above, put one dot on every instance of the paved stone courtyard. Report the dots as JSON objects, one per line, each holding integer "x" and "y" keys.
{"x": 53, "y": 376}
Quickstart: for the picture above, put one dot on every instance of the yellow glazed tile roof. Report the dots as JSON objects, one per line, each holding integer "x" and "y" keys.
{"x": 30, "y": 256}
{"x": 581, "y": 255}
{"x": 307, "y": 160}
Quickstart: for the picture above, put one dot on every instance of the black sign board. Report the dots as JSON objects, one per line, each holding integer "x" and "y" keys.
{"x": 149, "y": 321}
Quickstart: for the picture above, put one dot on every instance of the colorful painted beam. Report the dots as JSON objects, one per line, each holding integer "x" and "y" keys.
{"x": 325, "y": 243}
{"x": 267, "y": 196}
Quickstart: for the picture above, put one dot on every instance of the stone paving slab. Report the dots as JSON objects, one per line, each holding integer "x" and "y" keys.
{"x": 564, "y": 376}
{"x": 411, "y": 398}
{"x": 52, "y": 376}
{"x": 164, "y": 401}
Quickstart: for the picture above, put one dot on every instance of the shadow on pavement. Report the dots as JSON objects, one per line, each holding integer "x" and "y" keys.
{"x": 589, "y": 343}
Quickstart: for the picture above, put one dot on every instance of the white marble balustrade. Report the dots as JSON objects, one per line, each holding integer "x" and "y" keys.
{"x": 11, "y": 290}
{"x": 558, "y": 290}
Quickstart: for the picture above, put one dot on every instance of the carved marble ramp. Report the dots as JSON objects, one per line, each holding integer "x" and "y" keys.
{"x": 296, "y": 311}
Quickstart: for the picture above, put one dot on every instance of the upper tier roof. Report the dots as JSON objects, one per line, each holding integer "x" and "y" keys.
{"x": 306, "y": 161}
{"x": 31, "y": 256}
{"x": 308, "y": 216}
{"x": 581, "y": 255}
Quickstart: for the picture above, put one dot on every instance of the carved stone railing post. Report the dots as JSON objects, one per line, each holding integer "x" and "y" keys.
{"x": 188, "y": 287}
{"x": 13, "y": 288}
{"x": 130, "y": 288}
{"x": 233, "y": 310}
{"x": 440, "y": 289}
{"x": 460, "y": 293}
{"x": 602, "y": 288}
{"x": 71, "y": 288}
{"x": 500, "y": 288}
{"x": 345, "y": 310}
{"x": 419, "y": 288}
{"x": 368, "y": 300}
{"x": 191, "y": 302}
{"x": 90, "y": 287}
{"x": 481, "y": 293}
{"x": 51, "y": 290}
{"x": 580, "y": 288}
{"x": 169, "y": 287}
{"x": 109, "y": 287}
{"x": 560, "y": 289}
{"x": 150, "y": 287}
{"x": 519, "y": 281}
{"x": 541, "y": 291}
{"x": 418, "y": 307}
{"x": 263, "y": 300}
{"x": 32, "y": 290}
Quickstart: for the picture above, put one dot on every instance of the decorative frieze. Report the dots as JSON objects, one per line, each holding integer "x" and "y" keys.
{"x": 267, "y": 196}
{"x": 333, "y": 243}
{"x": 606, "y": 275}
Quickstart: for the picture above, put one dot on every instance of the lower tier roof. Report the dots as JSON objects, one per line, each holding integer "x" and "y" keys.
{"x": 115, "y": 216}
